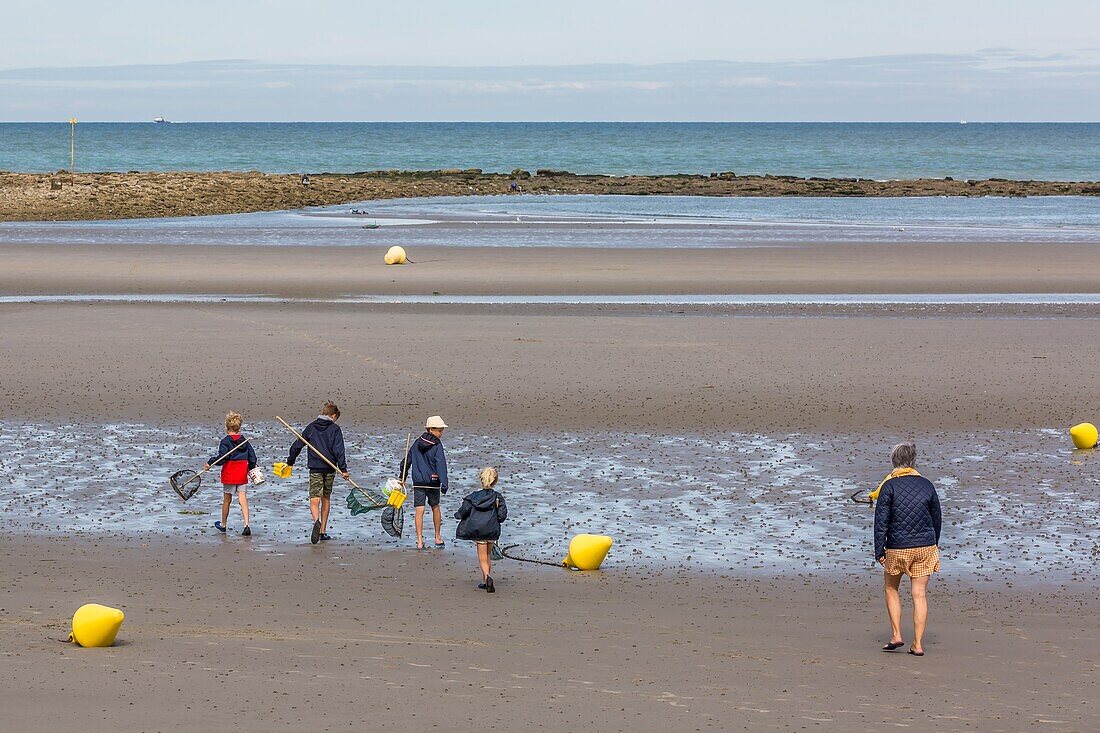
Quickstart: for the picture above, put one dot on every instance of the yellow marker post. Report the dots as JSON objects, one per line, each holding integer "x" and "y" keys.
{"x": 72, "y": 149}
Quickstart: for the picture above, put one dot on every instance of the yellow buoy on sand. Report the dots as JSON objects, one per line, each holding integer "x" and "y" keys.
{"x": 1084, "y": 435}
{"x": 396, "y": 256}
{"x": 587, "y": 551}
{"x": 96, "y": 625}
{"x": 282, "y": 470}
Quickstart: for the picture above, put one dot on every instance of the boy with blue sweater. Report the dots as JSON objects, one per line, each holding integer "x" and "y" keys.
{"x": 324, "y": 435}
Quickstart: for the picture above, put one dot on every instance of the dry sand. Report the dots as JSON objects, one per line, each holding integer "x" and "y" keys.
{"x": 334, "y": 271}
{"x": 336, "y": 637}
{"x": 28, "y": 196}
{"x": 523, "y": 370}
{"x": 550, "y": 366}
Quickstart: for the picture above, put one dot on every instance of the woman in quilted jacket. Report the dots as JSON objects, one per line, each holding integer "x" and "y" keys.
{"x": 907, "y": 538}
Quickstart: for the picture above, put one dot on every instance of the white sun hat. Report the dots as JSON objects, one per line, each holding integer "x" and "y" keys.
{"x": 435, "y": 421}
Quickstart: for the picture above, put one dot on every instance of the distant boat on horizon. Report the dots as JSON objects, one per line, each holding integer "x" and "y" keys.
{"x": 162, "y": 121}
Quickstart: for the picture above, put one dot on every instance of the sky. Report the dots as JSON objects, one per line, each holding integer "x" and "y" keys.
{"x": 559, "y": 60}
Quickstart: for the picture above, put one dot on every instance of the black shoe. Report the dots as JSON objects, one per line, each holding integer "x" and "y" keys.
{"x": 247, "y": 531}
{"x": 315, "y": 535}
{"x": 489, "y": 587}
{"x": 481, "y": 586}
{"x": 324, "y": 536}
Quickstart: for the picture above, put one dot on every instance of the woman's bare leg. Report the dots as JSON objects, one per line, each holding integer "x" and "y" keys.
{"x": 893, "y": 605}
{"x": 920, "y": 611}
{"x": 484, "y": 560}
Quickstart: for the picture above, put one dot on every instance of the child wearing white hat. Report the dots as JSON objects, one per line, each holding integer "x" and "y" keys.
{"x": 428, "y": 464}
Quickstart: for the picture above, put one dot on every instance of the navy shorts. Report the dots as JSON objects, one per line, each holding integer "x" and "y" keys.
{"x": 425, "y": 496}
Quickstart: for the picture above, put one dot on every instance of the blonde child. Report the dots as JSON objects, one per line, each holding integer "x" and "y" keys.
{"x": 479, "y": 520}
{"x": 234, "y": 470}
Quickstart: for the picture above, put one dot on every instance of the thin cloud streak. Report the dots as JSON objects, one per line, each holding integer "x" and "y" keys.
{"x": 993, "y": 84}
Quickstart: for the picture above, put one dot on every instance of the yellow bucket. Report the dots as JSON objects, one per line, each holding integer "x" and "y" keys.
{"x": 1084, "y": 435}
{"x": 282, "y": 470}
{"x": 396, "y": 498}
{"x": 587, "y": 551}
{"x": 96, "y": 625}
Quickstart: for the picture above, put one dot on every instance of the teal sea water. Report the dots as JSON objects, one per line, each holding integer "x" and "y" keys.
{"x": 1052, "y": 151}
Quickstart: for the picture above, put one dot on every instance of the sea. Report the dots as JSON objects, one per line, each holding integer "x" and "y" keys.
{"x": 1039, "y": 151}
{"x": 1054, "y": 151}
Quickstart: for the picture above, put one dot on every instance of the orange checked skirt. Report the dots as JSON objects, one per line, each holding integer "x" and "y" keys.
{"x": 916, "y": 562}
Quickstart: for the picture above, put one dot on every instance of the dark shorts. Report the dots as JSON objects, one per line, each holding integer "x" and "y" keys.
{"x": 425, "y": 496}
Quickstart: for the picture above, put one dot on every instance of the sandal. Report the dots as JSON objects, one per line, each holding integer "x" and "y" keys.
{"x": 892, "y": 646}
{"x": 915, "y": 654}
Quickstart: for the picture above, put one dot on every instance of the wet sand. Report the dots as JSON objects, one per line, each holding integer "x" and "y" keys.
{"x": 30, "y": 197}
{"x": 1018, "y": 501}
{"x": 280, "y": 634}
{"x": 333, "y": 637}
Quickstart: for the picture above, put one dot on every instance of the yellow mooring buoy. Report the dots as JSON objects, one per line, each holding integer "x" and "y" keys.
{"x": 96, "y": 625}
{"x": 1084, "y": 435}
{"x": 396, "y": 256}
{"x": 587, "y": 551}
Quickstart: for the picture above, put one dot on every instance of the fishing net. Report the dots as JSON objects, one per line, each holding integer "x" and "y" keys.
{"x": 362, "y": 500}
{"x": 393, "y": 521}
{"x": 185, "y": 483}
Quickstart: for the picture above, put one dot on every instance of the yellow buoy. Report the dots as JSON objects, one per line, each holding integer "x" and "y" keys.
{"x": 1084, "y": 435}
{"x": 96, "y": 625}
{"x": 282, "y": 470}
{"x": 587, "y": 551}
{"x": 396, "y": 256}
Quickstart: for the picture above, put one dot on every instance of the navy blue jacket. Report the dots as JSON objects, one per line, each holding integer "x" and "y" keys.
{"x": 427, "y": 463}
{"x": 324, "y": 435}
{"x": 235, "y": 468}
{"x": 228, "y": 443}
{"x": 907, "y": 515}
{"x": 480, "y": 516}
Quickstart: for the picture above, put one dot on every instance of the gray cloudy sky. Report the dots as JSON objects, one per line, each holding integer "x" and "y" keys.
{"x": 562, "y": 60}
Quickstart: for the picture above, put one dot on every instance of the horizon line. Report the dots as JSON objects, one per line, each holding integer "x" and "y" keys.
{"x": 65, "y": 121}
